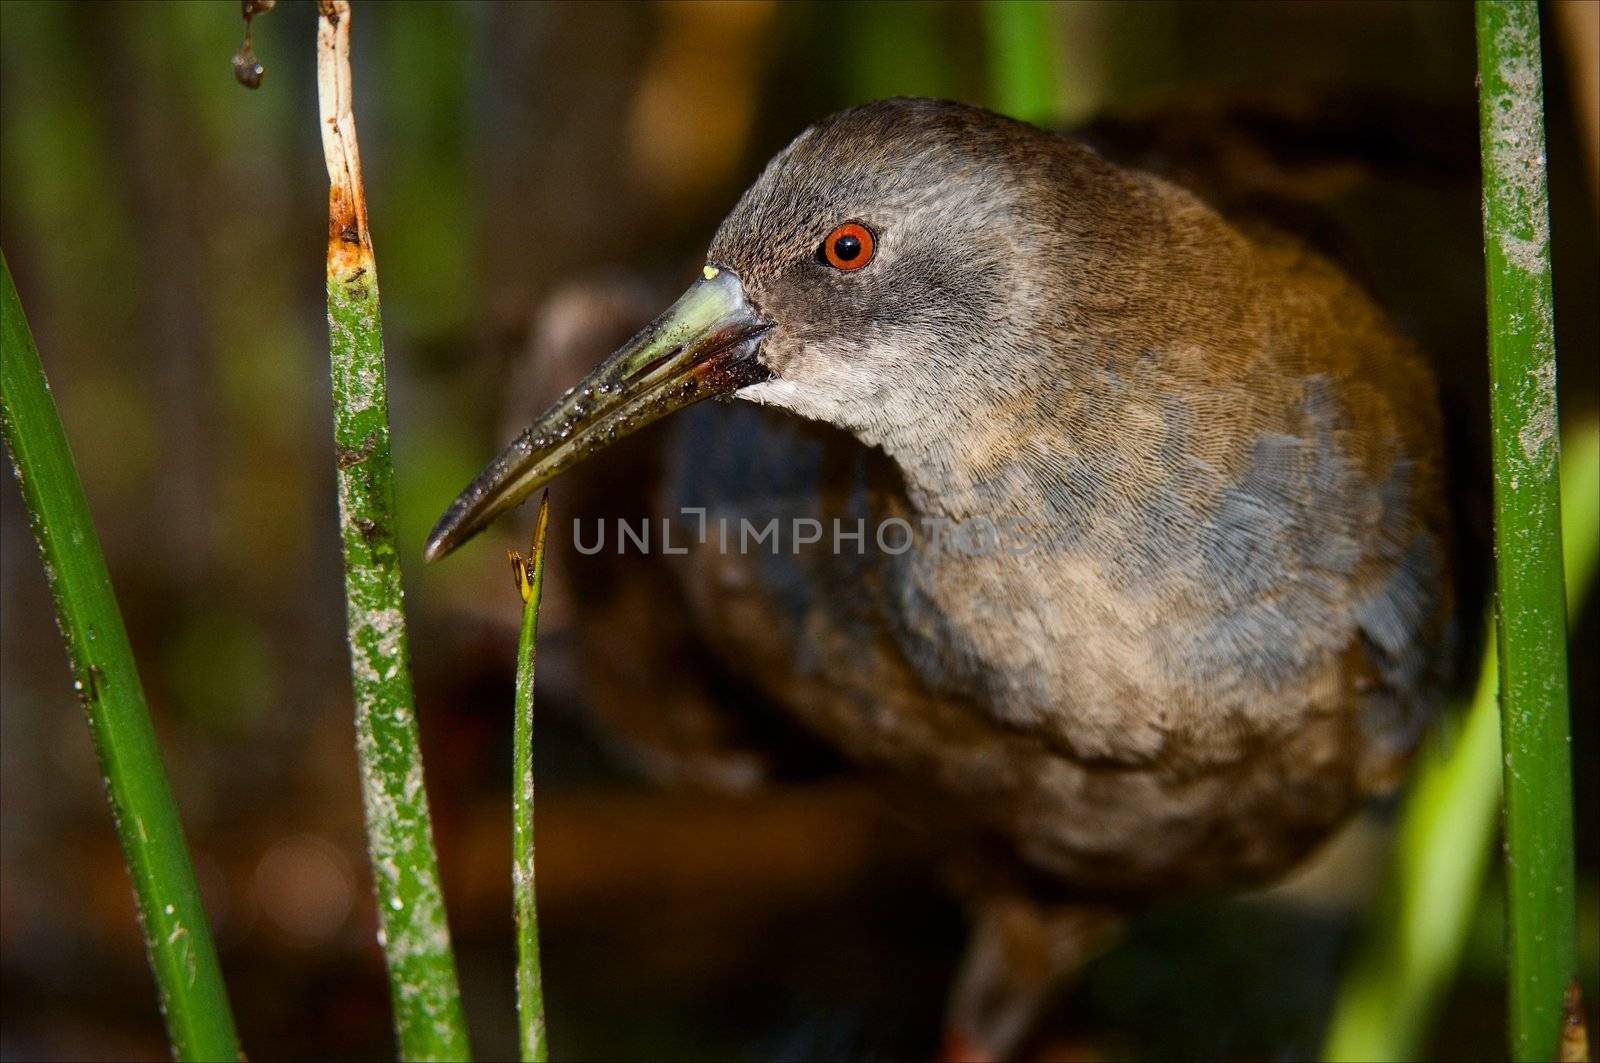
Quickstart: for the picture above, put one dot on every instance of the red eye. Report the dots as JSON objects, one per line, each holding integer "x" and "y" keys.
{"x": 849, "y": 247}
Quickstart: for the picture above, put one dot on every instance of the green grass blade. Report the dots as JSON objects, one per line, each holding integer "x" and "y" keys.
{"x": 1580, "y": 512}
{"x": 1021, "y": 59}
{"x": 428, "y": 1016}
{"x": 530, "y": 987}
{"x": 1531, "y": 608}
{"x": 1414, "y": 942}
{"x": 177, "y": 936}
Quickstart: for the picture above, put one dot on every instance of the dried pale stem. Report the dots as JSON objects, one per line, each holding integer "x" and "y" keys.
{"x": 429, "y": 1022}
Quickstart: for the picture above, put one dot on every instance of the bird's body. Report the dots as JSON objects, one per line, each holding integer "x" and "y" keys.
{"x": 1220, "y": 611}
{"x": 1202, "y": 606}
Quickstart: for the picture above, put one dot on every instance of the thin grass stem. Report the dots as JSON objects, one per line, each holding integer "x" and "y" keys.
{"x": 529, "y": 573}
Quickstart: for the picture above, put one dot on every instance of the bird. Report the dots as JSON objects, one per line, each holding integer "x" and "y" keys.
{"x": 1154, "y": 581}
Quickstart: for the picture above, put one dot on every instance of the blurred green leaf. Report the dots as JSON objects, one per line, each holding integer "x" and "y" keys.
{"x": 1022, "y": 59}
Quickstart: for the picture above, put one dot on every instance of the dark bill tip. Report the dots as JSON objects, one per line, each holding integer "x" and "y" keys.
{"x": 706, "y": 344}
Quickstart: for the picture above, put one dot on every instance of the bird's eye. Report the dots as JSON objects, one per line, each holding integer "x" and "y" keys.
{"x": 849, "y": 247}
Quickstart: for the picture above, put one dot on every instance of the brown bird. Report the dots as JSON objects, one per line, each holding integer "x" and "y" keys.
{"x": 1153, "y": 580}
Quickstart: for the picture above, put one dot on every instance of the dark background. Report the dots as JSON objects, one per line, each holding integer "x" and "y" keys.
{"x": 165, "y": 227}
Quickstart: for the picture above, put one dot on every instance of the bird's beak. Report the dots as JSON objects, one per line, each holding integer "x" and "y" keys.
{"x": 704, "y": 345}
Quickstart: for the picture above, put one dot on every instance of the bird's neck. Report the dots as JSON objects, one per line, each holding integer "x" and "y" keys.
{"x": 961, "y": 463}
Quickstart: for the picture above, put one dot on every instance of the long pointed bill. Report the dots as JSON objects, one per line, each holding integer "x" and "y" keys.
{"x": 704, "y": 345}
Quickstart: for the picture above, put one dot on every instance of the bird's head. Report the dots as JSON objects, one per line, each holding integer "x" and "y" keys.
{"x": 884, "y": 274}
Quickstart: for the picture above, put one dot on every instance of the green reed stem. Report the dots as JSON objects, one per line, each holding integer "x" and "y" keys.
{"x": 1532, "y": 630}
{"x": 529, "y": 574}
{"x": 428, "y": 1016}
{"x": 106, "y": 679}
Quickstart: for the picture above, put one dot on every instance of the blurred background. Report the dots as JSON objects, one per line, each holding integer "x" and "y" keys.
{"x": 541, "y": 178}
